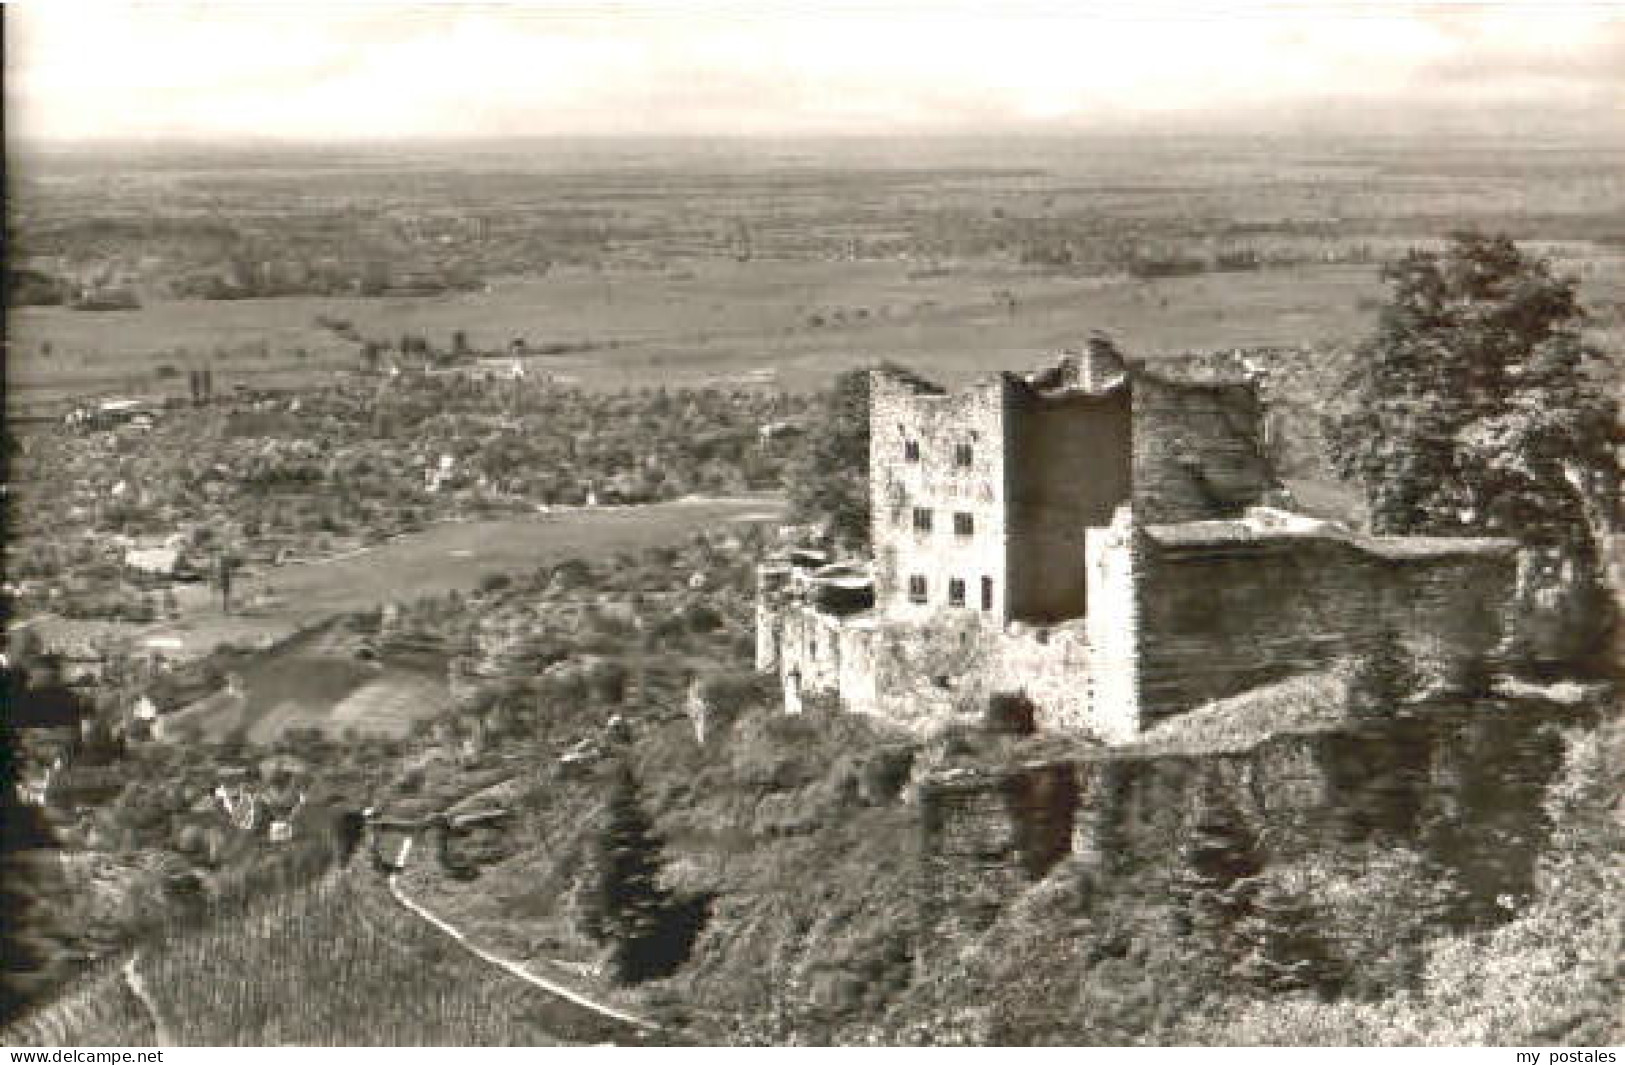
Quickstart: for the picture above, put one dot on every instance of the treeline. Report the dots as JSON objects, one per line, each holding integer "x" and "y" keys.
{"x": 245, "y": 277}
{"x": 36, "y": 288}
{"x": 1157, "y": 259}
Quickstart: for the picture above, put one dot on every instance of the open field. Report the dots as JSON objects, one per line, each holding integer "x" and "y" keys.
{"x": 717, "y": 303}
{"x": 433, "y": 562}
{"x": 300, "y": 683}
{"x": 311, "y": 681}
{"x": 803, "y": 322}
{"x": 664, "y": 263}
{"x": 456, "y": 555}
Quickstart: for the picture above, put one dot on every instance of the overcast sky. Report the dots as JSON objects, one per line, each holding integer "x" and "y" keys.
{"x": 328, "y": 71}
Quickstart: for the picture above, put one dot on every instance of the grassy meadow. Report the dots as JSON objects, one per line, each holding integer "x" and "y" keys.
{"x": 792, "y": 324}
{"x": 804, "y": 321}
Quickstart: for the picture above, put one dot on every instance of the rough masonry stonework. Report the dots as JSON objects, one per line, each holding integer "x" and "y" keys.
{"x": 1095, "y": 541}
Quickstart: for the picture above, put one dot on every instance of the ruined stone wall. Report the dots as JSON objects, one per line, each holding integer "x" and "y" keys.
{"x": 917, "y": 675}
{"x": 1463, "y": 786}
{"x": 922, "y": 675}
{"x": 1449, "y": 612}
{"x": 771, "y": 585}
{"x": 1197, "y": 450}
{"x": 1171, "y": 627}
{"x": 809, "y": 656}
{"x": 904, "y": 415}
{"x": 1069, "y": 470}
{"x": 768, "y": 624}
{"x": 1218, "y": 619}
{"x": 1050, "y": 668}
{"x": 934, "y": 670}
{"x": 1112, "y": 631}
{"x": 971, "y": 861}
{"x": 857, "y": 645}
{"x": 987, "y": 835}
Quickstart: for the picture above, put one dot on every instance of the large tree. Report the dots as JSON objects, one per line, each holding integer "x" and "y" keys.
{"x": 30, "y": 956}
{"x": 631, "y": 906}
{"x": 1478, "y": 407}
{"x": 829, "y": 482}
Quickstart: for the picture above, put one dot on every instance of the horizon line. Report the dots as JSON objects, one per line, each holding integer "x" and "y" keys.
{"x": 1602, "y": 135}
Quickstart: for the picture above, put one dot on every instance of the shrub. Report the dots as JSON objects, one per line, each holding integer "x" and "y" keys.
{"x": 1376, "y": 915}
{"x": 885, "y": 772}
{"x": 606, "y": 680}
{"x": 1381, "y": 677}
{"x": 631, "y": 907}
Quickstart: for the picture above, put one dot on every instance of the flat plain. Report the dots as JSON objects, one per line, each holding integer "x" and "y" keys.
{"x": 641, "y": 265}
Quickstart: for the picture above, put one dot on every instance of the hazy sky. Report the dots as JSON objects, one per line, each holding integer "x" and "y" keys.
{"x": 342, "y": 71}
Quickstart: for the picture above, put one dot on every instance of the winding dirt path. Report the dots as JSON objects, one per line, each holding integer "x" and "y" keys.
{"x": 138, "y": 987}
{"x": 642, "y": 1027}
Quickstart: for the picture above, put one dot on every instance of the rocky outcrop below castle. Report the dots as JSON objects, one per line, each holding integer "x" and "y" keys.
{"x": 1461, "y": 785}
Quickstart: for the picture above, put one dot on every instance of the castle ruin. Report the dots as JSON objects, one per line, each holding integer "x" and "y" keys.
{"x": 1094, "y": 547}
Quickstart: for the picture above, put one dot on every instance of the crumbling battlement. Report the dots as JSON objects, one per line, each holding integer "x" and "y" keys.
{"x": 1198, "y": 449}
{"x": 982, "y": 498}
